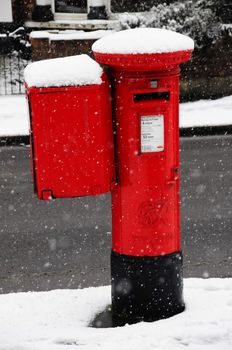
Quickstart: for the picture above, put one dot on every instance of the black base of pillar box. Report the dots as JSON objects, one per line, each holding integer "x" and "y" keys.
{"x": 146, "y": 288}
{"x": 97, "y": 12}
{"x": 42, "y": 13}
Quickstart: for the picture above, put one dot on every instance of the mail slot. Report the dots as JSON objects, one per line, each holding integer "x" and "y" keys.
{"x": 71, "y": 127}
{"x": 149, "y": 96}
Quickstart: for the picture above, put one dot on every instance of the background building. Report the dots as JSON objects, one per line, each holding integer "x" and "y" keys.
{"x": 55, "y": 28}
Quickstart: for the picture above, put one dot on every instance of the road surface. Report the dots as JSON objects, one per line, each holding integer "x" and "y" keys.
{"x": 66, "y": 243}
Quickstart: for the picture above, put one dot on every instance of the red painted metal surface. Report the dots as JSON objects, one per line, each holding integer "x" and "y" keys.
{"x": 143, "y": 62}
{"x": 71, "y": 139}
{"x": 145, "y": 202}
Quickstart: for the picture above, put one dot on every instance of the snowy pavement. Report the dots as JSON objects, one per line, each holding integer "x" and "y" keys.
{"x": 59, "y": 320}
{"x": 206, "y": 113}
{"x": 14, "y": 114}
{"x": 14, "y": 120}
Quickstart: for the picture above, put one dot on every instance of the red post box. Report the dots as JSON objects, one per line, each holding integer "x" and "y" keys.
{"x": 71, "y": 127}
{"x": 146, "y": 263}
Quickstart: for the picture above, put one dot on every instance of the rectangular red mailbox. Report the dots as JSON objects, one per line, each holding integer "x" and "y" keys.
{"x": 71, "y": 140}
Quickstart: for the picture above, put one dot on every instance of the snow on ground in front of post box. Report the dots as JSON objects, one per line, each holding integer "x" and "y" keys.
{"x": 142, "y": 41}
{"x": 14, "y": 114}
{"x": 65, "y": 71}
{"x": 59, "y": 320}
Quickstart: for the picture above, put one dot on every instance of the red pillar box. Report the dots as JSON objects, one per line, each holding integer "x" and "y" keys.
{"x": 146, "y": 260}
{"x": 71, "y": 127}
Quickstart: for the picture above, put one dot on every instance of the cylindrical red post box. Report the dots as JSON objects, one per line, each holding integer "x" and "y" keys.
{"x": 146, "y": 262}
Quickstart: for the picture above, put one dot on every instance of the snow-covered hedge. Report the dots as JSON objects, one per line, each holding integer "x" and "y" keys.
{"x": 196, "y": 18}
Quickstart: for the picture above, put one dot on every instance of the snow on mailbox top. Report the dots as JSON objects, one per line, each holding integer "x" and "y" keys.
{"x": 67, "y": 71}
{"x": 143, "y": 41}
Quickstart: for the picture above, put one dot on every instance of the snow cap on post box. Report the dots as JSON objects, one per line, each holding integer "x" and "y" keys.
{"x": 66, "y": 71}
{"x": 143, "y": 49}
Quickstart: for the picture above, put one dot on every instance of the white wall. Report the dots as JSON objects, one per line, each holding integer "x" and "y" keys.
{"x": 43, "y": 2}
{"x": 5, "y": 11}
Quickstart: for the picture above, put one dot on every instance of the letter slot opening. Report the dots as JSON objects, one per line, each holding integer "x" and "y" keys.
{"x": 149, "y": 96}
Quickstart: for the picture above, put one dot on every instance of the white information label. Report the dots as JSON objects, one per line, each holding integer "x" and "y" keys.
{"x": 152, "y": 133}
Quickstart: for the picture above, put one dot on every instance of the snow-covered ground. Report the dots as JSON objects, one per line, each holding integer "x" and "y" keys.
{"x": 14, "y": 114}
{"x": 14, "y": 119}
{"x": 59, "y": 320}
{"x": 206, "y": 113}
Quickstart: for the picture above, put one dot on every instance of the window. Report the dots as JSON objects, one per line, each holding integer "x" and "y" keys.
{"x": 75, "y": 9}
{"x": 71, "y": 6}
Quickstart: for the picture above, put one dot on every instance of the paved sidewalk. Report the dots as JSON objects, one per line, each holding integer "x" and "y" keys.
{"x": 14, "y": 120}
